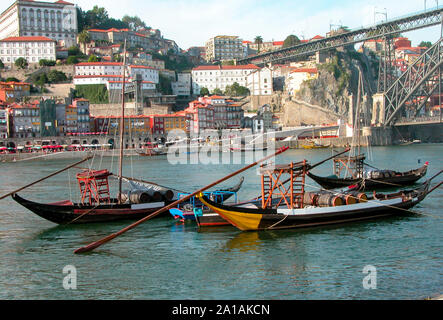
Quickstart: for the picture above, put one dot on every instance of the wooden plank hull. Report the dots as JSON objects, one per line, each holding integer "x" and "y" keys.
{"x": 77, "y": 214}
{"x": 211, "y": 220}
{"x": 65, "y": 212}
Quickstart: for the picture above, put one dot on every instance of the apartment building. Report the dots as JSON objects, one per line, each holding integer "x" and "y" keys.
{"x": 12, "y": 91}
{"x": 27, "y": 18}
{"x": 212, "y": 77}
{"x": 33, "y": 49}
{"x": 213, "y": 112}
{"x": 83, "y": 116}
{"x": 3, "y": 124}
{"x": 182, "y": 87}
{"x": 133, "y": 39}
{"x": 24, "y": 120}
{"x": 224, "y": 48}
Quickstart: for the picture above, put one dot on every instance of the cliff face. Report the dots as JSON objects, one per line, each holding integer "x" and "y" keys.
{"x": 330, "y": 92}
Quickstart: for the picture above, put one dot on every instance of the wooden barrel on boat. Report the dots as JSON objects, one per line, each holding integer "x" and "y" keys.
{"x": 329, "y": 200}
{"x": 156, "y": 196}
{"x": 350, "y": 199}
{"x": 139, "y": 196}
{"x": 167, "y": 195}
{"x": 310, "y": 198}
{"x": 360, "y": 196}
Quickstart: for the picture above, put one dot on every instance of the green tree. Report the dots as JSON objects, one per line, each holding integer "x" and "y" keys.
{"x": 73, "y": 51}
{"x": 258, "y": 41}
{"x": 46, "y": 63}
{"x": 41, "y": 81}
{"x": 217, "y": 91}
{"x": 84, "y": 38}
{"x": 12, "y": 79}
{"x": 164, "y": 84}
{"x": 426, "y": 44}
{"x": 55, "y": 76}
{"x": 134, "y": 23}
{"x": 1, "y": 64}
{"x": 204, "y": 91}
{"x": 93, "y": 58}
{"x": 290, "y": 41}
{"x": 21, "y": 63}
{"x": 72, "y": 60}
{"x": 236, "y": 90}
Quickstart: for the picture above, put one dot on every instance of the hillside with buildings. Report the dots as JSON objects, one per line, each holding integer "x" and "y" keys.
{"x": 55, "y": 52}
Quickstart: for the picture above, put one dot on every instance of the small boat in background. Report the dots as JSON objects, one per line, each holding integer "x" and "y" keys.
{"x": 350, "y": 171}
{"x": 151, "y": 151}
{"x": 314, "y": 145}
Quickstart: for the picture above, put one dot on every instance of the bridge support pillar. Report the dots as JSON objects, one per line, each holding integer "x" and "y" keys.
{"x": 378, "y": 136}
{"x": 378, "y": 109}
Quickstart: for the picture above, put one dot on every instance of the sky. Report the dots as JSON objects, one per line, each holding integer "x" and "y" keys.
{"x": 193, "y": 22}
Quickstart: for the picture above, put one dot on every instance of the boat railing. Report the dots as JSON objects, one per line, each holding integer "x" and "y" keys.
{"x": 197, "y": 204}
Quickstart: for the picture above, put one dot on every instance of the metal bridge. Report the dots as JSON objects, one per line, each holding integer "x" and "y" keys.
{"x": 385, "y": 29}
{"x": 410, "y": 92}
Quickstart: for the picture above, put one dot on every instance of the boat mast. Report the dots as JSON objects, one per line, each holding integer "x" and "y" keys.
{"x": 122, "y": 127}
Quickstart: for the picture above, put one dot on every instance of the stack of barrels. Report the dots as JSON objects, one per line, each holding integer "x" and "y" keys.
{"x": 138, "y": 196}
{"x": 329, "y": 199}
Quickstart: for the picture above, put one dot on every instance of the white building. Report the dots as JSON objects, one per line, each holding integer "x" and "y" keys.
{"x": 259, "y": 82}
{"x": 33, "y": 49}
{"x": 182, "y": 87}
{"x": 117, "y": 85}
{"x": 55, "y": 20}
{"x": 212, "y": 77}
{"x": 147, "y": 73}
{"x": 101, "y": 72}
{"x": 95, "y": 79}
{"x": 297, "y": 76}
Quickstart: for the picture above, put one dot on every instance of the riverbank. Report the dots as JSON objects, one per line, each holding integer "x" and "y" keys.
{"x": 292, "y": 144}
{"x": 20, "y": 157}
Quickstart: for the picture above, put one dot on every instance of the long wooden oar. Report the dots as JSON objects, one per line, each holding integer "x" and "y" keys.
{"x": 100, "y": 242}
{"x": 44, "y": 178}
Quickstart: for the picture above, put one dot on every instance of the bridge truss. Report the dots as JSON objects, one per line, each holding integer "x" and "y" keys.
{"x": 386, "y": 29}
{"x": 410, "y": 92}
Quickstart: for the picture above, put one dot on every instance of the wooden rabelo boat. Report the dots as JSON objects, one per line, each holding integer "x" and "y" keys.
{"x": 350, "y": 171}
{"x": 97, "y": 206}
{"x": 298, "y": 209}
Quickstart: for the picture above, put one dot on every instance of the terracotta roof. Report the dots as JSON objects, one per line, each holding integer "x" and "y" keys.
{"x": 307, "y": 70}
{"x": 277, "y": 43}
{"x": 141, "y": 67}
{"x": 241, "y": 67}
{"x": 27, "y": 39}
{"x": 104, "y": 63}
{"x": 64, "y": 2}
{"x": 98, "y": 76}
